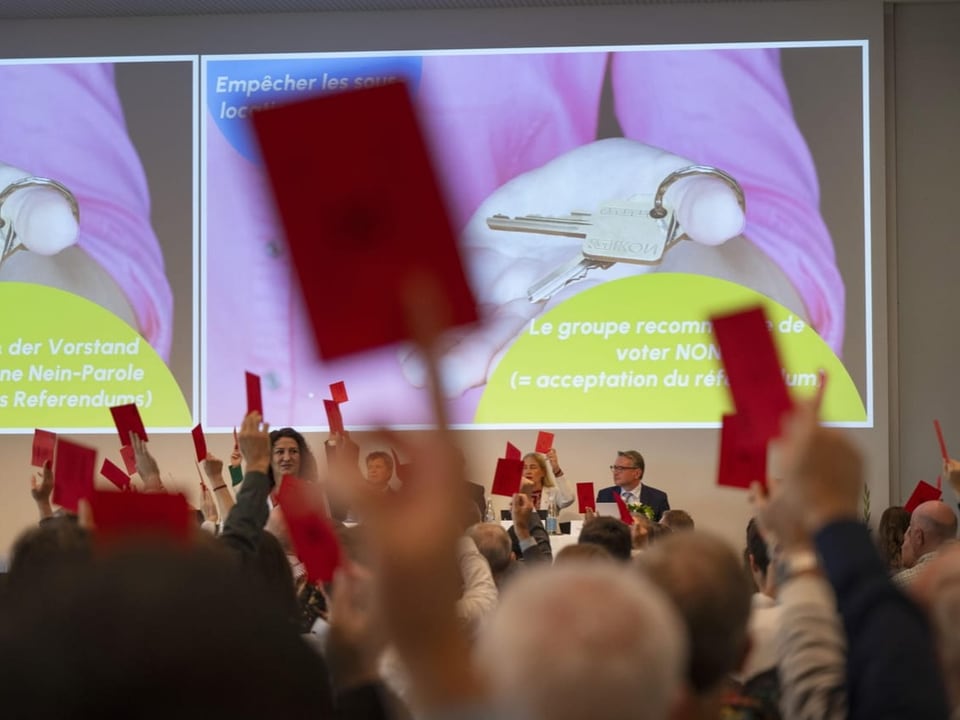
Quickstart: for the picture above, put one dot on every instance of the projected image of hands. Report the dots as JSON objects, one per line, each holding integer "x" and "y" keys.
{"x": 544, "y": 134}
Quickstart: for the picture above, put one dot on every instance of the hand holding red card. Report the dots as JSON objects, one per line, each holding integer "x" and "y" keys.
{"x": 199, "y": 443}
{"x": 44, "y": 442}
{"x": 943, "y": 445}
{"x": 338, "y": 391}
{"x": 254, "y": 396}
{"x": 129, "y": 456}
{"x": 347, "y": 169}
{"x": 544, "y": 442}
{"x": 506, "y": 480}
{"x": 73, "y": 474}
{"x": 127, "y": 420}
{"x": 753, "y": 368}
{"x": 585, "y": 496}
{"x": 922, "y": 493}
{"x": 742, "y": 460}
{"x": 115, "y": 475}
{"x": 118, "y": 515}
{"x": 312, "y": 536}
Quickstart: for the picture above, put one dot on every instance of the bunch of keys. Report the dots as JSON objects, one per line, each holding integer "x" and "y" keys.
{"x": 638, "y": 231}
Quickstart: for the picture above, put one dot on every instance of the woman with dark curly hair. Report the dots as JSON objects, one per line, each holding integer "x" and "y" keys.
{"x": 893, "y": 524}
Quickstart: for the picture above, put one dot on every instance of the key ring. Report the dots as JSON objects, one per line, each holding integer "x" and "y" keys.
{"x": 659, "y": 211}
{"x": 11, "y": 233}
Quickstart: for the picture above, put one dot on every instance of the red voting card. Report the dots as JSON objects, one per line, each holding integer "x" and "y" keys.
{"x": 115, "y": 475}
{"x": 117, "y": 515}
{"x": 943, "y": 445}
{"x": 506, "y": 480}
{"x": 73, "y": 472}
{"x": 347, "y": 169}
{"x": 129, "y": 459}
{"x": 742, "y": 460}
{"x": 338, "y": 391}
{"x": 127, "y": 419}
{"x": 753, "y": 368}
{"x": 513, "y": 452}
{"x": 313, "y": 538}
{"x": 544, "y": 441}
{"x": 254, "y": 397}
{"x": 44, "y": 442}
{"x": 199, "y": 443}
{"x": 334, "y": 418}
{"x": 923, "y": 492}
{"x": 585, "y": 497}
{"x": 625, "y": 515}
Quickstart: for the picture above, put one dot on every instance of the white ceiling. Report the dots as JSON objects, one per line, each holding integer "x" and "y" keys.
{"x": 44, "y": 9}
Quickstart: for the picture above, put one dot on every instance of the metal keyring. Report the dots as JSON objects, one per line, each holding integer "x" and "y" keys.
{"x": 27, "y": 182}
{"x": 659, "y": 211}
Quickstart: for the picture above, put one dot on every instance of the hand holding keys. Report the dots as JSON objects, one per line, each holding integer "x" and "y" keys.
{"x": 638, "y": 231}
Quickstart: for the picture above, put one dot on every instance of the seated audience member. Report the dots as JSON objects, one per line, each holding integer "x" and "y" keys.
{"x": 610, "y": 533}
{"x": 765, "y": 614}
{"x": 622, "y": 664}
{"x": 677, "y": 520}
{"x": 627, "y": 472}
{"x": 380, "y": 471}
{"x": 891, "y": 668}
{"x": 290, "y": 455}
{"x": 493, "y": 542}
{"x": 893, "y": 525}
{"x": 931, "y": 525}
{"x": 588, "y": 552}
{"x": 548, "y": 483}
{"x": 528, "y": 539}
{"x": 702, "y": 576}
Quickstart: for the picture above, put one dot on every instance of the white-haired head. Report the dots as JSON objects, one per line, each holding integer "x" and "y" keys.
{"x": 584, "y": 641}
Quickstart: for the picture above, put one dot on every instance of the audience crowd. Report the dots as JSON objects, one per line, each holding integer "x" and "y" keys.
{"x": 438, "y": 611}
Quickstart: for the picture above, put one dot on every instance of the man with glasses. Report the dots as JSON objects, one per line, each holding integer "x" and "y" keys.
{"x": 627, "y": 475}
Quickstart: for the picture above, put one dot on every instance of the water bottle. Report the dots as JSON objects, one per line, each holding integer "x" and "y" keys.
{"x": 553, "y": 518}
{"x": 488, "y": 515}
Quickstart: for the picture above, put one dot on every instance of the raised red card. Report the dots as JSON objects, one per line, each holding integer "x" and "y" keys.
{"x": 73, "y": 471}
{"x": 338, "y": 391}
{"x": 119, "y": 515}
{"x": 199, "y": 443}
{"x": 334, "y": 418}
{"x": 506, "y": 480}
{"x": 254, "y": 396}
{"x": 625, "y": 515}
{"x": 44, "y": 442}
{"x": 585, "y": 497}
{"x": 943, "y": 445}
{"x": 544, "y": 441}
{"x": 129, "y": 458}
{"x": 753, "y": 368}
{"x": 513, "y": 452}
{"x": 127, "y": 419}
{"x": 922, "y": 493}
{"x": 115, "y": 475}
{"x": 313, "y": 538}
{"x": 347, "y": 169}
{"x": 742, "y": 460}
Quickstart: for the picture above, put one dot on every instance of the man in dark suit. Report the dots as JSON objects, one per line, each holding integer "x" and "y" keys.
{"x": 627, "y": 476}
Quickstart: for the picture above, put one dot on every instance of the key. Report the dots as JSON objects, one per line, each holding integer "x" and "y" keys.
{"x": 623, "y": 231}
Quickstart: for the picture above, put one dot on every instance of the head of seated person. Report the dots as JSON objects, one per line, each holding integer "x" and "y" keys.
{"x": 36, "y": 551}
{"x": 144, "y": 629}
{"x": 379, "y": 469}
{"x": 290, "y": 455}
{"x": 593, "y": 667}
{"x": 677, "y": 520}
{"x": 494, "y": 544}
{"x": 587, "y": 552}
{"x": 932, "y": 524}
{"x": 610, "y": 533}
{"x": 704, "y": 578}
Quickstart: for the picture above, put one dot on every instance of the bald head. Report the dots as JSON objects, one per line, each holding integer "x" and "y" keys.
{"x": 613, "y": 646}
{"x": 493, "y": 542}
{"x": 931, "y": 525}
